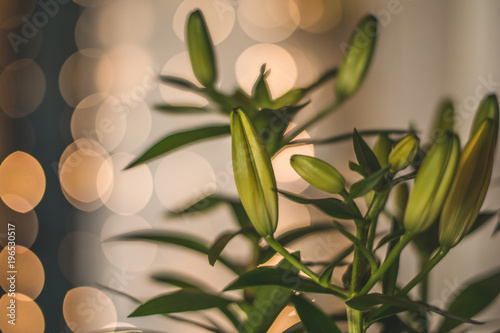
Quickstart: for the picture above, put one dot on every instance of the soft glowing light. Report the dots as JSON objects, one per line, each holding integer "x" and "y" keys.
{"x": 26, "y": 226}
{"x": 30, "y": 276}
{"x": 319, "y": 15}
{"x": 131, "y": 189}
{"x": 23, "y": 87}
{"x": 32, "y": 317}
{"x": 180, "y": 66}
{"x": 220, "y": 17}
{"x": 99, "y": 117}
{"x": 134, "y": 76}
{"x": 86, "y": 29}
{"x": 88, "y": 309}
{"x": 138, "y": 114}
{"x": 283, "y": 68}
{"x": 268, "y": 21}
{"x": 291, "y": 216}
{"x": 126, "y": 21}
{"x": 127, "y": 256}
{"x": 84, "y": 73}
{"x": 183, "y": 178}
{"x": 22, "y": 182}
{"x": 13, "y": 12}
{"x": 79, "y": 167}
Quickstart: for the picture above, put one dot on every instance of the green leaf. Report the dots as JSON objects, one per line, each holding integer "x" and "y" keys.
{"x": 365, "y": 155}
{"x": 293, "y": 235}
{"x": 313, "y": 318}
{"x": 367, "y": 184}
{"x": 181, "y": 109}
{"x": 390, "y": 237}
{"x": 180, "y": 281}
{"x": 357, "y": 168}
{"x": 265, "y": 276}
{"x": 176, "y": 140}
{"x": 200, "y": 206}
{"x": 260, "y": 91}
{"x": 473, "y": 299}
{"x": 330, "y": 206}
{"x": 394, "y": 324}
{"x": 349, "y": 136}
{"x": 221, "y": 242}
{"x": 172, "y": 238}
{"x": 180, "y": 83}
{"x": 299, "y": 328}
{"x": 326, "y": 275}
{"x": 368, "y": 301}
{"x": 181, "y": 301}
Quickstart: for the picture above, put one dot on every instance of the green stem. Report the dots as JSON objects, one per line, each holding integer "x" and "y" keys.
{"x": 354, "y": 320}
{"x": 297, "y": 130}
{"x": 393, "y": 255}
{"x": 423, "y": 273}
{"x": 297, "y": 264}
{"x": 424, "y": 286}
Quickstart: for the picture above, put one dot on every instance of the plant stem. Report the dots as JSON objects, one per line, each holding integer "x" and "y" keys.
{"x": 393, "y": 255}
{"x": 297, "y": 130}
{"x": 423, "y": 273}
{"x": 354, "y": 320}
{"x": 297, "y": 264}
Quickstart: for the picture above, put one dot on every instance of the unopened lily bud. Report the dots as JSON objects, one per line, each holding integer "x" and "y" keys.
{"x": 201, "y": 49}
{"x": 401, "y": 192}
{"x": 487, "y": 109}
{"x": 403, "y": 153}
{"x": 382, "y": 149}
{"x": 318, "y": 173}
{"x": 357, "y": 58}
{"x": 432, "y": 183}
{"x": 470, "y": 184}
{"x": 254, "y": 175}
{"x": 444, "y": 121}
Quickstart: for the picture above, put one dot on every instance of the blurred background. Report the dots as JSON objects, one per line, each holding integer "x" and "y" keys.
{"x": 78, "y": 81}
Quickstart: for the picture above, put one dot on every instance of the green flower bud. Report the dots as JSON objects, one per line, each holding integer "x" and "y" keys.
{"x": 201, "y": 49}
{"x": 403, "y": 153}
{"x": 318, "y": 173}
{"x": 260, "y": 90}
{"x": 357, "y": 58}
{"x": 470, "y": 184}
{"x": 487, "y": 109}
{"x": 432, "y": 183}
{"x": 289, "y": 98}
{"x": 444, "y": 121}
{"x": 254, "y": 175}
{"x": 382, "y": 149}
{"x": 401, "y": 193}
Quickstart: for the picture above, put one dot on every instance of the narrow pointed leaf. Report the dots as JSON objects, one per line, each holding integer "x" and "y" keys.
{"x": 200, "y": 206}
{"x": 330, "y": 206}
{"x": 181, "y": 109}
{"x": 180, "y": 281}
{"x": 359, "y": 169}
{"x": 221, "y": 242}
{"x": 366, "y": 302}
{"x": 365, "y": 155}
{"x": 176, "y": 140}
{"x": 299, "y": 328}
{"x": 181, "y": 301}
{"x": 367, "y": 184}
{"x": 388, "y": 238}
{"x": 313, "y": 318}
{"x": 326, "y": 275}
{"x": 348, "y": 136}
{"x": 265, "y": 276}
{"x": 180, "y": 83}
{"x": 473, "y": 299}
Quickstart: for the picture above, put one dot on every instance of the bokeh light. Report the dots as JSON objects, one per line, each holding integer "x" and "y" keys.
{"x": 87, "y": 309}
{"x": 138, "y": 116}
{"x": 183, "y": 178}
{"x": 23, "y": 87}
{"x": 219, "y": 15}
{"x": 84, "y": 73}
{"x": 26, "y": 225}
{"x": 13, "y": 12}
{"x": 29, "y": 276}
{"x": 14, "y": 48}
{"x": 291, "y": 216}
{"x": 180, "y": 66}
{"x": 128, "y": 256}
{"x": 32, "y": 317}
{"x": 318, "y": 16}
{"x": 79, "y": 169}
{"x": 268, "y": 21}
{"x": 22, "y": 182}
{"x": 283, "y": 68}
{"x": 131, "y": 189}
{"x": 99, "y": 117}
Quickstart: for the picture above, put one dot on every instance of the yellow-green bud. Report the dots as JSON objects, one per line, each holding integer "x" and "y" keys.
{"x": 487, "y": 109}
{"x": 432, "y": 183}
{"x": 401, "y": 193}
{"x": 318, "y": 173}
{"x": 254, "y": 175}
{"x": 403, "y": 153}
{"x": 357, "y": 58}
{"x": 201, "y": 49}
{"x": 470, "y": 184}
{"x": 444, "y": 121}
{"x": 382, "y": 149}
